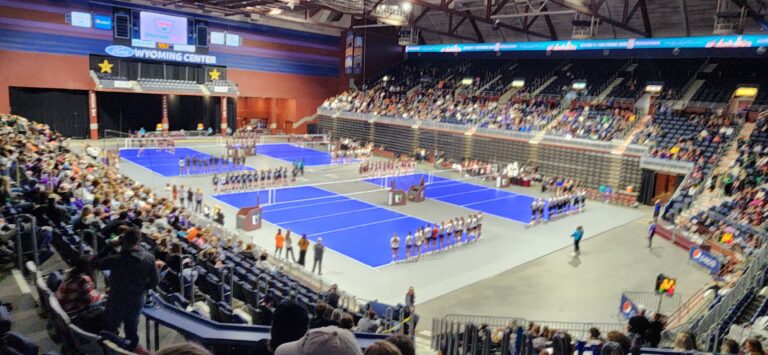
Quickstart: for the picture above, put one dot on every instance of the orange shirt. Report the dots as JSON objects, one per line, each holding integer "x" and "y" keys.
{"x": 303, "y": 244}
{"x": 192, "y": 233}
{"x": 279, "y": 240}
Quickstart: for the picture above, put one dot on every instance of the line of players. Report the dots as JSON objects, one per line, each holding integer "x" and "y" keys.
{"x": 558, "y": 206}
{"x": 194, "y": 165}
{"x": 387, "y": 168}
{"x": 438, "y": 237}
{"x": 254, "y": 179}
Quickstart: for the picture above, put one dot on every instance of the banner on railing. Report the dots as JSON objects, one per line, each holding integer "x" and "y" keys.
{"x": 705, "y": 259}
{"x": 627, "y": 308}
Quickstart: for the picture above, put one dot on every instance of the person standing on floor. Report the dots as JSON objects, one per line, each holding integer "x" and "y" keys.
{"x": 303, "y": 246}
{"x": 410, "y": 299}
{"x": 289, "y": 246}
{"x": 319, "y": 250}
{"x": 408, "y": 245}
{"x": 182, "y": 193}
{"x": 174, "y": 194}
{"x": 394, "y": 244}
{"x": 651, "y": 233}
{"x": 279, "y": 243}
{"x": 577, "y": 235}
{"x": 199, "y": 200}
{"x": 190, "y": 197}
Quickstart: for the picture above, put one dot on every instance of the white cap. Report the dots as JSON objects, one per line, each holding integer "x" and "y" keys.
{"x": 330, "y": 340}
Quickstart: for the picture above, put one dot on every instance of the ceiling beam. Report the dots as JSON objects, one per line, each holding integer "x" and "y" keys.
{"x": 631, "y": 14}
{"x": 458, "y": 24}
{"x": 421, "y": 15}
{"x": 752, "y": 13}
{"x": 499, "y": 6}
{"x": 586, "y": 11}
{"x": 684, "y": 8}
{"x": 550, "y": 25}
{"x": 446, "y": 34}
{"x": 478, "y": 19}
{"x": 646, "y": 18}
{"x": 477, "y": 31}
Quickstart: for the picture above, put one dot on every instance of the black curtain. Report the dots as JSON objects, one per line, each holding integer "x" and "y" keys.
{"x": 647, "y": 187}
{"x": 128, "y": 112}
{"x": 151, "y": 70}
{"x": 231, "y": 114}
{"x": 185, "y": 112}
{"x": 65, "y": 111}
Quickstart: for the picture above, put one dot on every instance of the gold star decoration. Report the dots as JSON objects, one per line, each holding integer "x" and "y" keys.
{"x": 106, "y": 67}
{"x": 214, "y": 74}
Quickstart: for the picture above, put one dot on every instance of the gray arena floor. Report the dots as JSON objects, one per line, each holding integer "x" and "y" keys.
{"x": 512, "y": 271}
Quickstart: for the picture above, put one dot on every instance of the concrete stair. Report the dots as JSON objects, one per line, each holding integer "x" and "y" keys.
{"x": 544, "y": 85}
{"x": 487, "y": 85}
{"x": 688, "y": 95}
{"x": 631, "y": 135}
{"x": 708, "y": 199}
{"x": 709, "y": 68}
{"x": 608, "y": 89}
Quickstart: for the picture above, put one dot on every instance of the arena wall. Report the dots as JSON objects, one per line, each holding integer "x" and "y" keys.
{"x": 39, "y": 49}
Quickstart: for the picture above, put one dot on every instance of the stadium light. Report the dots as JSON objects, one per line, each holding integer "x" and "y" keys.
{"x": 406, "y": 6}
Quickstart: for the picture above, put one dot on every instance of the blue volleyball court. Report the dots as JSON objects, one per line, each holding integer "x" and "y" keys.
{"x": 354, "y": 228}
{"x": 489, "y": 200}
{"x": 166, "y": 163}
{"x": 291, "y": 153}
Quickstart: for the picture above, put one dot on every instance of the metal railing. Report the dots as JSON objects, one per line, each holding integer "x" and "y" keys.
{"x": 655, "y": 302}
{"x": 507, "y": 133}
{"x": 666, "y": 165}
{"x": 637, "y": 149}
{"x": 580, "y": 142}
{"x": 577, "y": 329}
{"x": 707, "y": 325}
{"x": 294, "y": 270}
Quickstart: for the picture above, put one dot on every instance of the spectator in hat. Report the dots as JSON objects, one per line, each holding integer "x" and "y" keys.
{"x": 289, "y": 323}
{"x": 322, "y": 341}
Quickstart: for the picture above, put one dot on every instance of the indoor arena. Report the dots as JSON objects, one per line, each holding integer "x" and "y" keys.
{"x": 383, "y": 177}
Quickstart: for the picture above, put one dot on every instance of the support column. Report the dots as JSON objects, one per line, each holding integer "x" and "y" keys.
{"x": 224, "y": 114}
{"x": 164, "y": 106}
{"x": 93, "y": 114}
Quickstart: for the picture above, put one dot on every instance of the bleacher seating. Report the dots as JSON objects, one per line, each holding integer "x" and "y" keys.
{"x": 149, "y": 84}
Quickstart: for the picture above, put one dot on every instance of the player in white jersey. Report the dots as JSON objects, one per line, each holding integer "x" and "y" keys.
{"x": 408, "y": 245}
{"x": 394, "y": 244}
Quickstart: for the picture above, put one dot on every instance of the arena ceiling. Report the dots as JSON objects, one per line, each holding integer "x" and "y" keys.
{"x": 449, "y": 21}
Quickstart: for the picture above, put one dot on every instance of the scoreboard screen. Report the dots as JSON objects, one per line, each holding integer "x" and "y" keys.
{"x": 162, "y": 28}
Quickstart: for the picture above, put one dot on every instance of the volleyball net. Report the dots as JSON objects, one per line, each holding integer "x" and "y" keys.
{"x": 320, "y": 142}
{"x": 340, "y": 191}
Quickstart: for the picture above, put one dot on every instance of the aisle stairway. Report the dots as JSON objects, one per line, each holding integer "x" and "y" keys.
{"x": 631, "y": 135}
{"x": 708, "y": 199}
{"x": 750, "y": 311}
